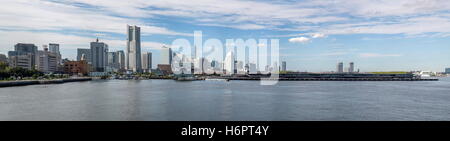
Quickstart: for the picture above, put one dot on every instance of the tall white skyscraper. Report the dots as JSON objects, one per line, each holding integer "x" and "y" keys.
{"x": 166, "y": 56}
{"x": 134, "y": 48}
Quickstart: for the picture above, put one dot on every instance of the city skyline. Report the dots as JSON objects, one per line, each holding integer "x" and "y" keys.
{"x": 388, "y": 37}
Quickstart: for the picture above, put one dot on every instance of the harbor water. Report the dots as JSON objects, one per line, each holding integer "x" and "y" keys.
{"x": 161, "y": 100}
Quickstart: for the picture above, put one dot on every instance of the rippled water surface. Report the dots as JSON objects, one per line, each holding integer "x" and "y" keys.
{"x": 233, "y": 100}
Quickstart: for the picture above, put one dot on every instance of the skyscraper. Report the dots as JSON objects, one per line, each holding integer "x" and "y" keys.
{"x": 340, "y": 67}
{"x": 147, "y": 61}
{"x": 351, "y": 67}
{"x": 134, "y": 48}
{"x": 283, "y": 66}
{"x": 166, "y": 56}
{"x": 99, "y": 56}
{"x": 121, "y": 59}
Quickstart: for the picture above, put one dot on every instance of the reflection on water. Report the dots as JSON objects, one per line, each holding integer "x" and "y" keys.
{"x": 234, "y": 100}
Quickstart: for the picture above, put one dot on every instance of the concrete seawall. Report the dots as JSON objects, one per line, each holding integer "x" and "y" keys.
{"x": 35, "y": 82}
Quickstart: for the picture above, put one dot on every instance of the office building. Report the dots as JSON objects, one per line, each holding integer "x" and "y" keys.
{"x": 340, "y": 67}
{"x": 99, "y": 56}
{"x": 283, "y": 66}
{"x": 447, "y": 70}
{"x": 147, "y": 62}
{"x": 166, "y": 56}
{"x": 25, "y": 51}
{"x": 121, "y": 59}
{"x": 351, "y": 67}
{"x": 47, "y": 61}
{"x": 86, "y": 52}
{"x": 54, "y": 48}
{"x": 22, "y": 61}
{"x": 113, "y": 62}
{"x": 76, "y": 67}
{"x": 134, "y": 49}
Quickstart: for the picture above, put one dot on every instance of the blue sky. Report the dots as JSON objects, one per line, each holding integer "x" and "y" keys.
{"x": 378, "y": 35}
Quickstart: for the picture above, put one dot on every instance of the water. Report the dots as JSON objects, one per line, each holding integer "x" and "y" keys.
{"x": 233, "y": 100}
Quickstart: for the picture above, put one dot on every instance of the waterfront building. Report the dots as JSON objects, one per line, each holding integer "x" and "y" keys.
{"x": 447, "y": 70}
{"x": 351, "y": 67}
{"x": 147, "y": 62}
{"x": 134, "y": 49}
{"x": 99, "y": 56}
{"x": 86, "y": 52}
{"x": 24, "y": 49}
{"x": 165, "y": 69}
{"x": 76, "y": 67}
{"x": 23, "y": 61}
{"x": 340, "y": 67}
{"x": 283, "y": 66}
{"x": 47, "y": 61}
{"x": 166, "y": 56}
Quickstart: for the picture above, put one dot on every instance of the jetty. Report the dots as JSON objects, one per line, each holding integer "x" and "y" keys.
{"x": 329, "y": 77}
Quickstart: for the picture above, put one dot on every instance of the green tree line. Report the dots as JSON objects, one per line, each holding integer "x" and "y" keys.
{"x": 7, "y": 72}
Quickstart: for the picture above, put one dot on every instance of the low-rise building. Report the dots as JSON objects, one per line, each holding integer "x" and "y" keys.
{"x": 76, "y": 67}
{"x": 166, "y": 69}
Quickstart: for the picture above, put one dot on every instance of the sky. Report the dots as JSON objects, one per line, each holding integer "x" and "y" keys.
{"x": 314, "y": 35}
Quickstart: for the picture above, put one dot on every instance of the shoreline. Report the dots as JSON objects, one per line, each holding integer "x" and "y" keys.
{"x": 39, "y": 82}
{"x": 66, "y": 80}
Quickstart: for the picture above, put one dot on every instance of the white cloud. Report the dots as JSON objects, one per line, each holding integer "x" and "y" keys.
{"x": 318, "y": 35}
{"x": 46, "y": 15}
{"x": 372, "y": 55}
{"x": 299, "y": 40}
